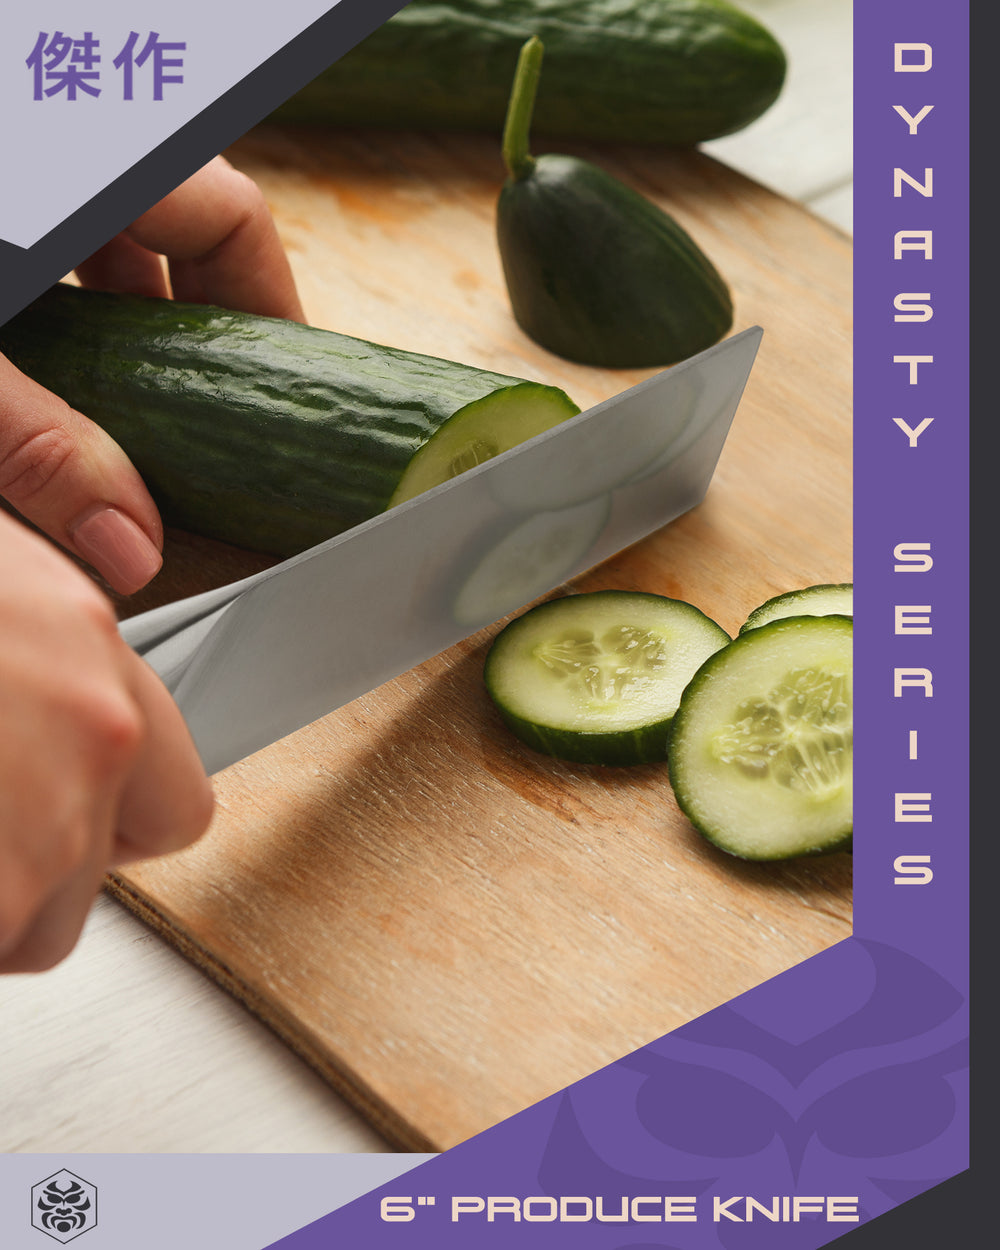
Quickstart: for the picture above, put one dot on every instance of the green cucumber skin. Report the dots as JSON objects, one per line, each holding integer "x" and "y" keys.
{"x": 842, "y": 843}
{"x": 256, "y": 431}
{"x": 647, "y": 745}
{"x": 600, "y": 275}
{"x": 644, "y": 71}
{"x": 797, "y": 598}
{"x": 840, "y": 840}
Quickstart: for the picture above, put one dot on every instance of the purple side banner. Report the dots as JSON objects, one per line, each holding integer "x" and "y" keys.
{"x": 836, "y": 1091}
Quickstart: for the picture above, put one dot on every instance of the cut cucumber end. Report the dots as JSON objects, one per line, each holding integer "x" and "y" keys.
{"x": 596, "y": 678}
{"x": 599, "y": 274}
{"x": 481, "y": 430}
{"x": 762, "y": 744}
{"x": 825, "y": 600}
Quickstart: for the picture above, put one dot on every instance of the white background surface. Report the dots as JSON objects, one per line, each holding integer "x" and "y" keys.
{"x": 802, "y": 146}
{"x": 126, "y": 1047}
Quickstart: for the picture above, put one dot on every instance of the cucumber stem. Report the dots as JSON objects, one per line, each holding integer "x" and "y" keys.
{"x": 516, "y": 154}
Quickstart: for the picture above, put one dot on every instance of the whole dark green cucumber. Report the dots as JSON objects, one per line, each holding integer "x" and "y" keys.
{"x": 266, "y": 433}
{"x": 657, "y": 71}
{"x": 596, "y": 272}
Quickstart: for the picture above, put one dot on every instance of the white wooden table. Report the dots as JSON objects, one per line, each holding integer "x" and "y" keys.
{"x": 125, "y": 1047}
{"x": 802, "y": 146}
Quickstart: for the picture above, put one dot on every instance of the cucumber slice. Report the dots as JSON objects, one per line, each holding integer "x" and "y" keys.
{"x": 812, "y": 601}
{"x": 761, "y": 748}
{"x": 596, "y": 678}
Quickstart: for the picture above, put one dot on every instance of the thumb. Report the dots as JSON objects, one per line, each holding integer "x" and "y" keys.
{"x": 73, "y": 481}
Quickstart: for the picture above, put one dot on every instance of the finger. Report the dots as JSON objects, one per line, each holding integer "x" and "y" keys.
{"x": 56, "y": 925}
{"x": 123, "y": 265}
{"x": 75, "y": 483}
{"x": 47, "y": 898}
{"x": 167, "y": 800}
{"x": 222, "y": 244}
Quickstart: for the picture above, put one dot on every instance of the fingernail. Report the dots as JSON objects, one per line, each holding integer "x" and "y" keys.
{"x": 113, "y": 543}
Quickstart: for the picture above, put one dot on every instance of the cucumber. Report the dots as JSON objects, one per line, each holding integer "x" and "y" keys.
{"x": 761, "y": 746}
{"x": 595, "y": 272}
{"x": 266, "y": 433}
{"x": 833, "y": 598}
{"x": 596, "y": 678}
{"x": 593, "y": 468}
{"x": 660, "y": 71}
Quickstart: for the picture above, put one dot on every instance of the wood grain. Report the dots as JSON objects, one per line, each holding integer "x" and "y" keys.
{"x": 447, "y": 926}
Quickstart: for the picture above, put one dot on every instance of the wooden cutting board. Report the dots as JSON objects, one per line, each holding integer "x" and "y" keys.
{"x": 446, "y": 925}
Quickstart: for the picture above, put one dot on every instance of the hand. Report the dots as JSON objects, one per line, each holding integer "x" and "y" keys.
{"x": 64, "y": 473}
{"x": 96, "y": 765}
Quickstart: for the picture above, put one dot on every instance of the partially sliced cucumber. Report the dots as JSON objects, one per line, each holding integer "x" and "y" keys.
{"x": 621, "y": 447}
{"x": 596, "y": 678}
{"x": 824, "y": 600}
{"x": 480, "y": 431}
{"x": 761, "y": 747}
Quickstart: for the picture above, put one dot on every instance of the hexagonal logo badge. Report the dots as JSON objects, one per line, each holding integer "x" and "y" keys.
{"x": 64, "y": 1206}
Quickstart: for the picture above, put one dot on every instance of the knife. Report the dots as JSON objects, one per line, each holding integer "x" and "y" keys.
{"x": 253, "y": 661}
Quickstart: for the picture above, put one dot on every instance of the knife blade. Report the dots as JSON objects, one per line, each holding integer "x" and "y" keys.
{"x": 256, "y": 660}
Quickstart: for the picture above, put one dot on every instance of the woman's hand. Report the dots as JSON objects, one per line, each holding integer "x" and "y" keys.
{"x": 96, "y": 764}
{"x": 60, "y": 470}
